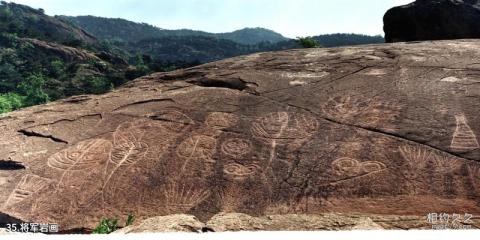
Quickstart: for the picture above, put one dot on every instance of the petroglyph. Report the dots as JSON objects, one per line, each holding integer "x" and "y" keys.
{"x": 236, "y": 147}
{"x": 446, "y": 164}
{"x": 271, "y": 127}
{"x": 29, "y": 154}
{"x": 28, "y": 185}
{"x": 279, "y": 129}
{"x": 415, "y": 156}
{"x": 173, "y": 121}
{"x": 463, "y": 138}
{"x": 349, "y": 167}
{"x": 297, "y": 83}
{"x": 220, "y": 120}
{"x": 240, "y": 172}
{"x": 371, "y": 111}
{"x": 128, "y": 144}
{"x": 372, "y": 166}
{"x": 197, "y": 147}
{"x": 85, "y": 155}
{"x": 450, "y": 79}
{"x": 301, "y": 128}
{"x": 132, "y": 140}
{"x": 418, "y": 158}
{"x": 343, "y": 107}
{"x": 474, "y": 173}
{"x": 376, "y": 72}
{"x": 305, "y": 75}
{"x": 346, "y": 166}
{"x": 181, "y": 197}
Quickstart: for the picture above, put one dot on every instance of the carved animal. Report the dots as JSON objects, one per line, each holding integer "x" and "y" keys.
{"x": 237, "y": 136}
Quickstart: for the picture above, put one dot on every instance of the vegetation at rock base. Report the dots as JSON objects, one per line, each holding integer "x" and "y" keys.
{"x": 130, "y": 220}
{"x": 106, "y": 226}
{"x": 10, "y": 102}
{"x": 109, "y": 225}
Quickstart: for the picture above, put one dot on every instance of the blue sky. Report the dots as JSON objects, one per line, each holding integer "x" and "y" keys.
{"x": 292, "y": 18}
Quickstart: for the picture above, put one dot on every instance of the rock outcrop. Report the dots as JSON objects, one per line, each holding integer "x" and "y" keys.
{"x": 433, "y": 20}
{"x": 172, "y": 223}
{"x": 379, "y": 129}
{"x": 235, "y": 222}
{"x": 63, "y": 52}
{"x": 289, "y": 222}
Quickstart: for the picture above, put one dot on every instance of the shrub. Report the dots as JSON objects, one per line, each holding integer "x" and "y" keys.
{"x": 106, "y": 226}
{"x": 32, "y": 88}
{"x": 96, "y": 85}
{"x": 109, "y": 225}
{"x": 308, "y": 42}
{"x": 57, "y": 68}
{"x": 10, "y": 102}
{"x": 4, "y": 105}
{"x": 130, "y": 219}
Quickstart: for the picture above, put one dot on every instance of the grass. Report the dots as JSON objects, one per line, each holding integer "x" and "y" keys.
{"x": 109, "y": 225}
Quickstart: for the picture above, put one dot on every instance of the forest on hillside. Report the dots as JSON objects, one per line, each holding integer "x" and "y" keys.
{"x": 45, "y": 58}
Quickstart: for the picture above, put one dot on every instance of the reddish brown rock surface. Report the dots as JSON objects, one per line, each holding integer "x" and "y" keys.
{"x": 381, "y": 129}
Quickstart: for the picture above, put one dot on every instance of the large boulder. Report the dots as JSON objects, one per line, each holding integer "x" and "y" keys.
{"x": 433, "y": 20}
{"x": 379, "y": 129}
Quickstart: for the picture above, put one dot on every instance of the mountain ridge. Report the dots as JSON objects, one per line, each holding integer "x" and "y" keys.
{"x": 134, "y": 31}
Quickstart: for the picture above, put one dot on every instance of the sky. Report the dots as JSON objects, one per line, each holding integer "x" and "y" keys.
{"x": 291, "y": 18}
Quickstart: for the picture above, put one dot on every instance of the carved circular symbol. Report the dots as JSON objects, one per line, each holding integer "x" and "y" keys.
{"x": 199, "y": 146}
{"x": 236, "y": 147}
{"x": 85, "y": 155}
{"x": 239, "y": 171}
{"x": 346, "y": 166}
{"x": 220, "y": 120}
{"x": 372, "y": 166}
{"x": 173, "y": 121}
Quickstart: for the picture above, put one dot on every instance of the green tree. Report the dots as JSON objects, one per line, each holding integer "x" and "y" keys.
{"x": 96, "y": 85}
{"x": 308, "y": 42}
{"x": 4, "y": 105}
{"x": 57, "y": 68}
{"x": 32, "y": 88}
{"x": 140, "y": 64}
{"x": 10, "y": 102}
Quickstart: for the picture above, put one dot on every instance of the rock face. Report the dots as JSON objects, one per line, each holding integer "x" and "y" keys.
{"x": 433, "y": 20}
{"x": 234, "y": 222}
{"x": 172, "y": 223}
{"x": 380, "y": 129}
{"x": 289, "y": 222}
{"x": 64, "y": 52}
